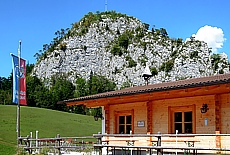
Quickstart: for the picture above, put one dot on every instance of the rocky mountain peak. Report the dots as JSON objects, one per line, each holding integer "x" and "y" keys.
{"x": 118, "y": 47}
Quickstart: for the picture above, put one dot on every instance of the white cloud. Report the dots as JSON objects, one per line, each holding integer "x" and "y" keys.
{"x": 213, "y": 36}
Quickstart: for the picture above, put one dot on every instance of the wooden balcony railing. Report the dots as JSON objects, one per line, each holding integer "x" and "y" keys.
{"x": 186, "y": 143}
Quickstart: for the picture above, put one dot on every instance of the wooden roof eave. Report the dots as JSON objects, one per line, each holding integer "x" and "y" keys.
{"x": 88, "y": 103}
{"x": 148, "y": 96}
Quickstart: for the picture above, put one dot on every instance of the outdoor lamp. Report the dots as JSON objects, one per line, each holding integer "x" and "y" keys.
{"x": 204, "y": 108}
{"x": 147, "y": 75}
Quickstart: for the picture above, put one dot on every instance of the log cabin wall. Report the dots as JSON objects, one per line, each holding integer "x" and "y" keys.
{"x": 157, "y": 105}
{"x": 161, "y": 113}
{"x": 225, "y": 113}
{"x": 139, "y": 114}
{"x": 201, "y": 127}
{"x": 161, "y": 118}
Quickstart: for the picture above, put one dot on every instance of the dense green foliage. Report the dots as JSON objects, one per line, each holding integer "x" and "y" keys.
{"x": 46, "y": 94}
{"x": 95, "y": 85}
{"x": 116, "y": 50}
{"x": 154, "y": 71}
{"x": 32, "y": 119}
{"x": 215, "y": 60}
{"x": 131, "y": 62}
{"x": 6, "y": 90}
{"x": 193, "y": 54}
{"x": 167, "y": 66}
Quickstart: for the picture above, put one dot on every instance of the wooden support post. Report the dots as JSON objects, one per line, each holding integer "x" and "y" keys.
{"x": 159, "y": 151}
{"x": 218, "y": 142}
{"x": 107, "y": 119}
{"x": 149, "y": 117}
{"x": 217, "y": 112}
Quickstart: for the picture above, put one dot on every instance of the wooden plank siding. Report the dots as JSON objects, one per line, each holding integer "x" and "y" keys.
{"x": 155, "y": 114}
{"x": 156, "y": 107}
{"x": 155, "y": 111}
{"x": 225, "y": 113}
{"x": 139, "y": 113}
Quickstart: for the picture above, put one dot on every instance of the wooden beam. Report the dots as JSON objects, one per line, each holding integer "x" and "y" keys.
{"x": 208, "y": 88}
{"x": 151, "y": 96}
{"x": 149, "y": 117}
{"x": 217, "y": 113}
{"x": 107, "y": 118}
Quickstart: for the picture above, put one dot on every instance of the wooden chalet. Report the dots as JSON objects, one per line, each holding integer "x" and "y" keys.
{"x": 196, "y": 108}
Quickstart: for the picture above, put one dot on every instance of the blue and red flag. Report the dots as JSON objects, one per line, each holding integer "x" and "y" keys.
{"x": 19, "y": 72}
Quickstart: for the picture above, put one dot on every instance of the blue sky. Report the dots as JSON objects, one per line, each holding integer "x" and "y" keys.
{"x": 34, "y": 22}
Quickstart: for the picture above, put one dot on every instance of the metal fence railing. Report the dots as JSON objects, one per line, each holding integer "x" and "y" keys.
{"x": 132, "y": 144}
{"x": 57, "y": 145}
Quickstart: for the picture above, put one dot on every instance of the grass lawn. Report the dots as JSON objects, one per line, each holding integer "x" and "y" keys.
{"x": 47, "y": 122}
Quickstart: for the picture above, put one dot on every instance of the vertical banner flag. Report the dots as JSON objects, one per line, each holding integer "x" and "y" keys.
{"x": 22, "y": 75}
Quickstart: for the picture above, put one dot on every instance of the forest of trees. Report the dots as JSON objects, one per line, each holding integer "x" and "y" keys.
{"x": 46, "y": 94}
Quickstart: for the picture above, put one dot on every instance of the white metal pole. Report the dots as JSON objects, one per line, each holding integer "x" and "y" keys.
{"x": 18, "y": 107}
{"x": 31, "y": 137}
{"x": 176, "y": 140}
{"x": 37, "y": 142}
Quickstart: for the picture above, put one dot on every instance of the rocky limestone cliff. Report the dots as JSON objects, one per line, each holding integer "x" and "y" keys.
{"x": 118, "y": 47}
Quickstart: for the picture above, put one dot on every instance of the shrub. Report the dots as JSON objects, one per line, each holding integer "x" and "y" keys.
{"x": 144, "y": 44}
{"x": 63, "y": 46}
{"x": 179, "y": 41}
{"x": 123, "y": 41}
{"x": 167, "y": 66}
{"x": 143, "y": 59}
{"x": 131, "y": 62}
{"x": 163, "y": 32}
{"x": 215, "y": 59}
{"x": 174, "y": 54}
{"x": 146, "y": 26}
{"x": 154, "y": 71}
{"x": 193, "y": 54}
{"x": 116, "y": 50}
{"x": 221, "y": 71}
{"x": 83, "y": 31}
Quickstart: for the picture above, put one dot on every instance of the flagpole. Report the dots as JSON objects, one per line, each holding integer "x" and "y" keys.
{"x": 18, "y": 107}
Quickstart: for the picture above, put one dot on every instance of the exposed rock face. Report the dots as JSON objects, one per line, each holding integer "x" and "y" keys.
{"x": 120, "y": 47}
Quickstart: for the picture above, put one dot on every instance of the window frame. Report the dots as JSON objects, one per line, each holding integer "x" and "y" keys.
{"x": 123, "y": 113}
{"x": 173, "y": 109}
